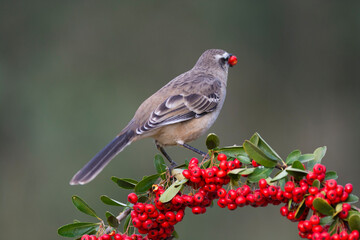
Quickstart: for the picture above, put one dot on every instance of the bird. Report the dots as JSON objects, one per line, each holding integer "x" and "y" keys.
{"x": 178, "y": 113}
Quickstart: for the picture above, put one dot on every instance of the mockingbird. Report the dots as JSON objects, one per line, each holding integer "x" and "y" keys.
{"x": 178, "y": 113}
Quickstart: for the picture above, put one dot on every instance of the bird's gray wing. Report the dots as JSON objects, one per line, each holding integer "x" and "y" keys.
{"x": 183, "y": 107}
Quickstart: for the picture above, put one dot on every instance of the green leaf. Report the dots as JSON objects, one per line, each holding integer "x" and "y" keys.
{"x": 333, "y": 227}
{"x": 233, "y": 151}
{"x": 354, "y": 222}
{"x": 282, "y": 183}
{"x": 78, "y": 229}
{"x": 145, "y": 184}
{"x": 109, "y": 201}
{"x": 143, "y": 199}
{"x": 83, "y": 207}
{"x": 267, "y": 149}
{"x": 319, "y": 153}
{"x": 111, "y": 219}
{"x": 280, "y": 175}
{"x": 306, "y": 157}
{"x": 160, "y": 165}
{"x": 126, "y": 223}
{"x": 245, "y": 160}
{"x": 300, "y": 210}
{"x": 172, "y": 191}
{"x": 212, "y": 141}
{"x": 326, "y": 220}
{"x": 259, "y": 173}
{"x": 247, "y": 171}
{"x": 298, "y": 165}
{"x": 241, "y": 171}
{"x": 255, "y": 139}
{"x": 316, "y": 183}
{"x": 323, "y": 207}
{"x": 175, "y": 234}
{"x": 352, "y": 212}
{"x": 125, "y": 183}
{"x": 259, "y": 156}
{"x": 330, "y": 175}
{"x": 237, "y": 171}
{"x": 293, "y": 156}
{"x": 352, "y": 199}
{"x": 297, "y": 170}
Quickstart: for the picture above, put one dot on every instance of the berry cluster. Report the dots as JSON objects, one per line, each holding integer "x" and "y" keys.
{"x": 156, "y": 219}
{"x": 305, "y": 191}
{"x": 113, "y": 236}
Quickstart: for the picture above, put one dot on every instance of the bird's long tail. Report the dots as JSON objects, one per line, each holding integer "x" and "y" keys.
{"x": 97, "y": 164}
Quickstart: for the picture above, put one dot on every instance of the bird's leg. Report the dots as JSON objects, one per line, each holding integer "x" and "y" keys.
{"x": 193, "y": 149}
{"x": 162, "y": 150}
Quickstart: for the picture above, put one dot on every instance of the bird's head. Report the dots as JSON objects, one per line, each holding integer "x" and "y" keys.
{"x": 216, "y": 60}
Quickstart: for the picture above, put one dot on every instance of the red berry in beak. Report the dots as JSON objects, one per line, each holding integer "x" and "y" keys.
{"x": 232, "y": 60}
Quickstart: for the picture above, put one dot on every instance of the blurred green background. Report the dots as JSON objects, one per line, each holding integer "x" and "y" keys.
{"x": 72, "y": 74}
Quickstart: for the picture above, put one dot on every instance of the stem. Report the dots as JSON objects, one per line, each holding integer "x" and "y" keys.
{"x": 120, "y": 217}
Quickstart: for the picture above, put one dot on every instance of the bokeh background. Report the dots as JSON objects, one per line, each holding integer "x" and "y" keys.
{"x": 72, "y": 74}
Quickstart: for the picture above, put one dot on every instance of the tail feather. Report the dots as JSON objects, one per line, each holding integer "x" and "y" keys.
{"x": 97, "y": 164}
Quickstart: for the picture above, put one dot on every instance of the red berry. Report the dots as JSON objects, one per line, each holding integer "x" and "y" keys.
{"x": 262, "y": 183}
{"x": 348, "y": 188}
{"x": 179, "y": 216}
{"x": 284, "y": 211}
{"x": 139, "y": 207}
{"x": 118, "y": 237}
{"x": 240, "y": 201}
{"x": 222, "y": 202}
{"x": 346, "y": 207}
{"x": 231, "y": 165}
{"x": 313, "y": 190}
{"x": 237, "y": 163}
{"x": 335, "y": 237}
{"x": 209, "y": 173}
{"x": 255, "y": 164}
{"x": 186, "y": 173}
{"x": 221, "y": 157}
{"x": 221, "y": 173}
{"x": 325, "y": 236}
{"x": 232, "y": 60}
{"x": 149, "y": 208}
{"x": 198, "y": 197}
{"x": 85, "y": 237}
{"x": 196, "y": 210}
{"x": 170, "y": 216}
{"x": 343, "y": 214}
{"x": 136, "y": 222}
{"x": 344, "y": 196}
{"x": 331, "y": 195}
{"x": 132, "y": 198}
{"x": 331, "y": 184}
{"x": 344, "y": 235}
{"x": 317, "y": 228}
{"x": 143, "y": 217}
{"x": 319, "y": 169}
{"x": 289, "y": 187}
{"x": 232, "y": 194}
{"x": 232, "y": 206}
{"x": 245, "y": 190}
{"x": 147, "y": 224}
{"x": 195, "y": 172}
{"x": 221, "y": 192}
{"x": 315, "y": 220}
{"x": 223, "y": 165}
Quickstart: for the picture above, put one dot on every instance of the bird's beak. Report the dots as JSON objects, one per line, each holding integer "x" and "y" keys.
{"x": 232, "y": 60}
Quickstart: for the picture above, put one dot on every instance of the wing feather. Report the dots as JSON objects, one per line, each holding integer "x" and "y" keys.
{"x": 180, "y": 108}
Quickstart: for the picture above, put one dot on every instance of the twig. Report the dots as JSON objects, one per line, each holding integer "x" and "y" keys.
{"x": 120, "y": 217}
